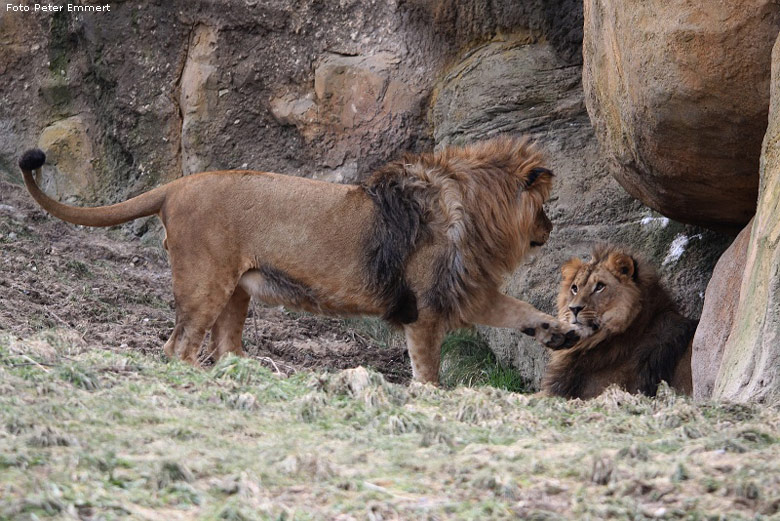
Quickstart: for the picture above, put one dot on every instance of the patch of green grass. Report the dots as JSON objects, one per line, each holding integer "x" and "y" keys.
{"x": 79, "y": 269}
{"x": 467, "y": 360}
{"x": 376, "y": 329}
{"x": 145, "y": 299}
{"x": 79, "y": 377}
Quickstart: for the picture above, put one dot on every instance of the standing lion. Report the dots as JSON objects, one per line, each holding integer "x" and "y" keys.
{"x": 637, "y": 337}
{"x": 423, "y": 242}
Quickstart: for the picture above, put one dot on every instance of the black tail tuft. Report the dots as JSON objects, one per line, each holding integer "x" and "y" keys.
{"x": 33, "y": 159}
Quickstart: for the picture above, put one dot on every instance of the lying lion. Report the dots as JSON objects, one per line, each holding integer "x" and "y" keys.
{"x": 638, "y": 338}
{"x": 423, "y": 242}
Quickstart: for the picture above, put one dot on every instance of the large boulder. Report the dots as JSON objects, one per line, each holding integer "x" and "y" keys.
{"x": 678, "y": 94}
{"x": 520, "y": 86}
{"x": 749, "y": 370}
{"x": 717, "y": 317}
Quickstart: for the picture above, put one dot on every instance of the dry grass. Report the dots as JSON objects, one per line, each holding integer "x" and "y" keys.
{"x": 90, "y": 434}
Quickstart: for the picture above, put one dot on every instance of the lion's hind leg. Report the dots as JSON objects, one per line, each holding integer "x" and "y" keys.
{"x": 227, "y": 330}
{"x": 199, "y": 301}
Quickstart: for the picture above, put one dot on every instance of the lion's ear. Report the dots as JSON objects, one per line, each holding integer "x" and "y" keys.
{"x": 622, "y": 265}
{"x": 535, "y": 174}
{"x": 570, "y": 269}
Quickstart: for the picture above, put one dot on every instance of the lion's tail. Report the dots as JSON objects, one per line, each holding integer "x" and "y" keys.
{"x": 141, "y": 206}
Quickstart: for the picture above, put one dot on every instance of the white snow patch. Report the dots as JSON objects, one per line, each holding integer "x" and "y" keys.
{"x": 676, "y": 249}
{"x": 663, "y": 222}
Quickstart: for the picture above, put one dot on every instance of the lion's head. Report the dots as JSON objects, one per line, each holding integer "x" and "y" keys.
{"x": 631, "y": 333}
{"x": 604, "y": 294}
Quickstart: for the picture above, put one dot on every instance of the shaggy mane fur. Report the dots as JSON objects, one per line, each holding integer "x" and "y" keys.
{"x": 475, "y": 203}
{"x": 647, "y": 350}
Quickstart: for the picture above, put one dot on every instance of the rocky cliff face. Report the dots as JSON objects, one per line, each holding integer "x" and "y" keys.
{"x": 126, "y": 100}
{"x": 302, "y": 87}
{"x": 165, "y": 90}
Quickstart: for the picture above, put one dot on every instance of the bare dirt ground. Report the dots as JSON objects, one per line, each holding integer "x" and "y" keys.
{"x": 116, "y": 293}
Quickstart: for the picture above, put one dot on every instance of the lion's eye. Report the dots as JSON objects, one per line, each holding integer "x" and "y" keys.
{"x": 573, "y": 289}
{"x": 599, "y": 287}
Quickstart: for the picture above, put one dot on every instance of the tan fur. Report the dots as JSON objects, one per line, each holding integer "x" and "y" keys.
{"x": 637, "y": 335}
{"x": 303, "y": 243}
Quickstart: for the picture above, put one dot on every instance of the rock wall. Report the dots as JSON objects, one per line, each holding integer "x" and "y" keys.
{"x": 678, "y": 92}
{"x": 175, "y": 87}
{"x": 748, "y": 371}
{"x": 126, "y": 100}
{"x": 330, "y": 89}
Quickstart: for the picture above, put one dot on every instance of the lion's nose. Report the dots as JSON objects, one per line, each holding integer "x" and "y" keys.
{"x": 575, "y": 309}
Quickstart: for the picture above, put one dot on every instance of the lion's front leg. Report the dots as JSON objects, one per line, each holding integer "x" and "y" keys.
{"x": 505, "y": 311}
{"x": 423, "y": 340}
